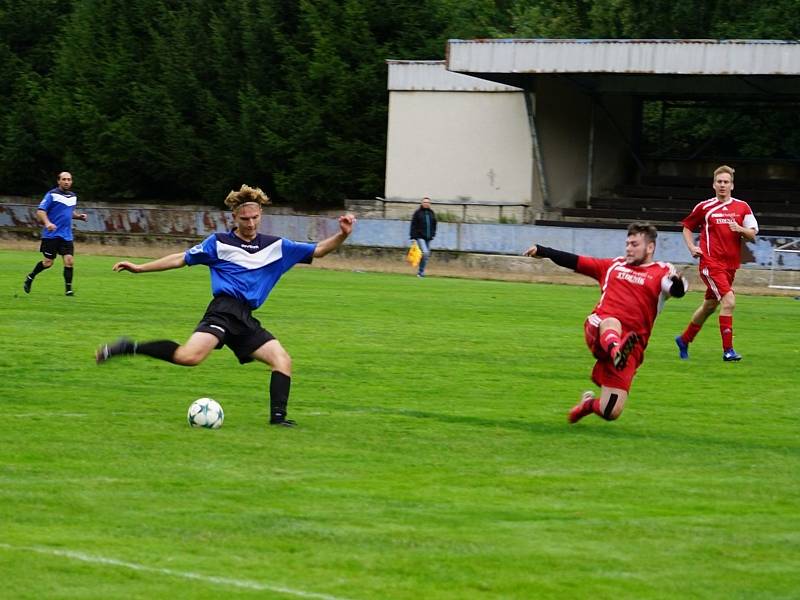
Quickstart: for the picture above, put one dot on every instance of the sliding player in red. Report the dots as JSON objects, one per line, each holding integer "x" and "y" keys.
{"x": 723, "y": 222}
{"x": 633, "y": 290}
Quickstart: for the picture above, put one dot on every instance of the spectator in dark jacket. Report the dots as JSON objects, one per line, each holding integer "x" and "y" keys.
{"x": 423, "y": 230}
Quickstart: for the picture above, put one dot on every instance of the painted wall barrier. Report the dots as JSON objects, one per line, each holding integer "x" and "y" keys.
{"x": 512, "y": 239}
{"x": 19, "y": 214}
{"x": 112, "y": 218}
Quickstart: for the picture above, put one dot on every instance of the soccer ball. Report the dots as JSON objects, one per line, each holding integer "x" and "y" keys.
{"x": 205, "y": 412}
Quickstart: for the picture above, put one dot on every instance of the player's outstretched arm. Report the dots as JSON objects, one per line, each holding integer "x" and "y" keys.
{"x": 172, "y": 261}
{"x": 561, "y": 258}
{"x": 330, "y": 244}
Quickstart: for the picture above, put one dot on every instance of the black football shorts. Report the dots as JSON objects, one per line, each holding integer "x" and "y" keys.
{"x": 232, "y": 322}
{"x": 51, "y": 247}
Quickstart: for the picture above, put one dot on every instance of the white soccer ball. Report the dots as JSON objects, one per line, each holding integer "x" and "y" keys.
{"x": 205, "y": 412}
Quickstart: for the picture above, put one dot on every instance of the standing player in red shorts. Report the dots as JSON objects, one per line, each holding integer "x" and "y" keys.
{"x": 723, "y": 222}
{"x": 633, "y": 290}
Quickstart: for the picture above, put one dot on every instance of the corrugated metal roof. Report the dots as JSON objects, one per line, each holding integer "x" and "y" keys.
{"x": 667, "y": 57}
{"x": 431, "y": 75}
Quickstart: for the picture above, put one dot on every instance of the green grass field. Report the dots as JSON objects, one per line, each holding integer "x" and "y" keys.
{"x": 432, "y": 458}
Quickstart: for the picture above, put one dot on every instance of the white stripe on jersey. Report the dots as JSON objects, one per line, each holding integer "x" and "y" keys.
{"x": 594, "y": 320}
{"x": 66, "y": 200}
{"x": 709, "y": 207}
{"x": 243, "y": 258}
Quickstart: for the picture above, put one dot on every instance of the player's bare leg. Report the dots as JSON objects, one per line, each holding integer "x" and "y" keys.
{"x": 608, "y": 406}
{"x": 612, "y": 403}
{"x": 194, "y": 351}
{"x": 727, "y": 304}
{"x": 273, "y": 354}
{"x": 618, "y": 346}
{"x": 705, "y": 310}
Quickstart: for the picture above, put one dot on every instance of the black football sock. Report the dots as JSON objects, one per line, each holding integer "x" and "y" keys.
{"x": 279, "y": 385}
{"x": 160, "y": 349}
{"x": 68, "y": 277}
{"x": 36, "y": 270}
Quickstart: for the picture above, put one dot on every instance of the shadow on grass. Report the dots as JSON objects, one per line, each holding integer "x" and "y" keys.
{"x": 606, "y": 431}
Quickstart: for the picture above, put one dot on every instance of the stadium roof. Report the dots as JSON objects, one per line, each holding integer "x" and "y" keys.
{"x": 728, "y": 69}
{"x": 432, "y": 76}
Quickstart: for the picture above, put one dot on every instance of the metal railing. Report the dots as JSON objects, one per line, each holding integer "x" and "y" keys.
{"x": 462, "y": 204}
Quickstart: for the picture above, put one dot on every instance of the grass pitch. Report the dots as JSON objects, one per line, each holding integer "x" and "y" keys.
{"x": 432, "y": 459}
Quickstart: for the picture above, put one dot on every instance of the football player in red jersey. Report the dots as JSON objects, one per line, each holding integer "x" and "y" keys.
{"x": 633, "y": 290}
{"x": 723, "y": 222}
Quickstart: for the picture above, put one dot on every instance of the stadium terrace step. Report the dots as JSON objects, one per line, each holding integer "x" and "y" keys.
{"x": 705, "y": 182}
{"x": 752, "y": 195}
{"x": 626, "y": 213}
{"x": 666, "y": 219}
{"x": 643, "y": 203}
{"x": 759, "y": 208}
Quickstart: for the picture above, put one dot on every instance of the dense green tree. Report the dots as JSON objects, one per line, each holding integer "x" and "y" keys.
{"x": 652, "y": 19}
{"x": 185, "y": 100}
{"x": 30, "y": 36}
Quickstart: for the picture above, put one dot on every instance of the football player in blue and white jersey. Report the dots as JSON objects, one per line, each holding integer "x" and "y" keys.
{"x": 245, "y": 265}
{"x": 56, "y": 212}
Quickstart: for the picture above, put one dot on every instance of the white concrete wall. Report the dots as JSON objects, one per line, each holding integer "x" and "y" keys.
{"x": 458, "y": 146}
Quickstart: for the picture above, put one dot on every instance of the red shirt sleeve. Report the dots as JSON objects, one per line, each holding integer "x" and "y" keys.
{"x": 695, "y": 218}
{"x": 593, "y": 267}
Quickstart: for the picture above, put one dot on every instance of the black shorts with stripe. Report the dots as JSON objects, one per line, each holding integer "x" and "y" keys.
{"x": 51, "y": 247}
{"x": 232, "y": 322}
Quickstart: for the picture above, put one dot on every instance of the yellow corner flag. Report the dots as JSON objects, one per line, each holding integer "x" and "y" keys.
{"x": 414, "y": 255}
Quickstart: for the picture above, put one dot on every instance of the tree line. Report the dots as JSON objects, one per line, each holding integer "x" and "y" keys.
{"x": 187, "y": 99}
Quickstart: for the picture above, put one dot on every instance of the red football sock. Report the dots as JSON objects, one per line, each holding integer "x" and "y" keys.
{"x": 726, "y": 331}
{"x": 691, "y": 332}
{"x": 609, "y": 339}
{"x": 596, "y": 408}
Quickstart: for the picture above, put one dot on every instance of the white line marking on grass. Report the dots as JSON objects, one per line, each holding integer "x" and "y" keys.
{"x": 239, "y": 583}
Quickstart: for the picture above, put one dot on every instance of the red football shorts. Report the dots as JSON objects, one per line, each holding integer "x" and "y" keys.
{"x": 718, "y": 281}
{"x": 604, "y": 373}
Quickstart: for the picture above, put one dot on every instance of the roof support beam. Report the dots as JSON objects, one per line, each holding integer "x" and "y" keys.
{"x": 530, "y": 98}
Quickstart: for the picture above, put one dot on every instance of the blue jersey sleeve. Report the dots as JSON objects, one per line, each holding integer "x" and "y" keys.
{"x": 204, "y": 253}
{"x": 297, "y": 252}
{"x": 46, "y": 202}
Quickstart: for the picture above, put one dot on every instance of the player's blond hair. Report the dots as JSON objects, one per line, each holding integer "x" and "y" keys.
{"x": 246, "y": 195}
{"x": 724, "y": 169}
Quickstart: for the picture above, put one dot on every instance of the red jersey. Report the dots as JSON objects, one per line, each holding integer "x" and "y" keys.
{"x": 633, "y": 294}
{"x": 722, "y": 248}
